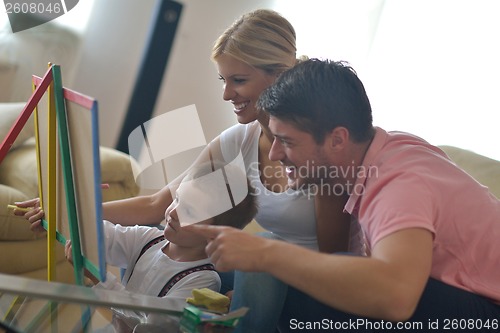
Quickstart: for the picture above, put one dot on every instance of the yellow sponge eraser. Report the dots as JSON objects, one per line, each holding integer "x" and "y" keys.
{"x": 209, "y": 299}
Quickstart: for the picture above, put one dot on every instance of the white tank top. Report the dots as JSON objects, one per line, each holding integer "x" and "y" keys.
{"x": 290, "y": 214}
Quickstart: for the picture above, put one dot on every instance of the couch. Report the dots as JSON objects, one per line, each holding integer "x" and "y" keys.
{"x": 21, "y": 251}
{"x": 485, "y": 170}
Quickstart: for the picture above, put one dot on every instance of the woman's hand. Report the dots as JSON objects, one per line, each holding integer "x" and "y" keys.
{"x": 34, "y": 214}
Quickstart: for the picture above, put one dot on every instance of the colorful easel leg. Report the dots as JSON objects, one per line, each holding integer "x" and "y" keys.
{"x": 68, "y": 175}
{"x": 52, "y": 182}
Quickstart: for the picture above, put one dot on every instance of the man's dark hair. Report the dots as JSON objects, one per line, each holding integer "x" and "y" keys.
{"x": 317, "y": 96}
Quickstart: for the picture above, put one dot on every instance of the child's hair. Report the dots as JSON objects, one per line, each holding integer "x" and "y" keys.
{"x": 241, "y": 213}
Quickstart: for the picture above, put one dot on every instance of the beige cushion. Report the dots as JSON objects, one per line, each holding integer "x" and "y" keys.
{"x": 17, "y": 181}
{"x": 29, "y": 259}
{"x": 13, "y": 228}
{"x": 19, "y": 169}
{"x": 485, "y": 170}
{"x": 117, "y": 170}
{"x": 9, "y": 112}
{"x": 35, "y": 259}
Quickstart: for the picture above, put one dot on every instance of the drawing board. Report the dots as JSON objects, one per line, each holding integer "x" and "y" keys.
{"x": 78, "y": 183}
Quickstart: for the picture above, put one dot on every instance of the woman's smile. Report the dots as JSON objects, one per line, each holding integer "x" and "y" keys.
{"x": 240, "y": 107}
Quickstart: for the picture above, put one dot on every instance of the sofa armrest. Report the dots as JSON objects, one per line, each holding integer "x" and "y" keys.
{"x": 19, "y": 170}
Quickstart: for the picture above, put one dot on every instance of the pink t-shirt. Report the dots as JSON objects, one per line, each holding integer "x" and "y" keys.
{"x": 407, "y": 183}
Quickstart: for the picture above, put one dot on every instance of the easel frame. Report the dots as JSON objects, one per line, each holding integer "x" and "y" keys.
{"x": 51, "y": 165}
{"x": 70, "y": 107}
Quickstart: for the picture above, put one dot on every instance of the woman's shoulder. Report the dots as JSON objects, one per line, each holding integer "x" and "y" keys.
{"x": 239, "y": 137}
{"x": 241, "y": 130}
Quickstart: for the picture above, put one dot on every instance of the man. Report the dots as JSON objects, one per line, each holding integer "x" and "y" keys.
{"x": 432, "y": 232}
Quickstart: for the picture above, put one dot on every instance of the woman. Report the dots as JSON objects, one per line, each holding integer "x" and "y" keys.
{"x": 249, "y": 56}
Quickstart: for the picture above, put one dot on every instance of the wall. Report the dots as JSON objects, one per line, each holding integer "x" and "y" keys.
{"x": 429, "y": 67}
{"x": 28, "y": 53}
{"x": 112, "y": 50}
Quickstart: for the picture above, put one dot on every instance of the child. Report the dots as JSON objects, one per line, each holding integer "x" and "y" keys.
{"x": 172, "y": 262}
{"x": 151, "y": 255}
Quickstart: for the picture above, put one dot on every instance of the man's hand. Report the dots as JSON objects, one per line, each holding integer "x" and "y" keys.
{"x": 231, "y": 248}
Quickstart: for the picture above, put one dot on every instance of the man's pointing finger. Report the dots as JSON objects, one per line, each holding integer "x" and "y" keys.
{"x": 207, "y": 231}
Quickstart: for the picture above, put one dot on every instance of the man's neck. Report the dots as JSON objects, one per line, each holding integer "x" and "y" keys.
{"x": 354, "y": 160}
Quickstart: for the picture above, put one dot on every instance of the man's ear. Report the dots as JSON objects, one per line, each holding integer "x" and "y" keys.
{"x": 339, "y": 137}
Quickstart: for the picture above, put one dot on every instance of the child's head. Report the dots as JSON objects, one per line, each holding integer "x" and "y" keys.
{"x": 241, "y": 214}
{"x": 213, "y": 195}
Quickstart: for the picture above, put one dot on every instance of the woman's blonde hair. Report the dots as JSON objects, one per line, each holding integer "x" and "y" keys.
{"x": 263, "y": 39}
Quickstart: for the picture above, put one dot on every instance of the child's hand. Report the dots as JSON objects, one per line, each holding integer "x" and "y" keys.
{"x": 34, "y": 215}
{"x": 67, "y": 251}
